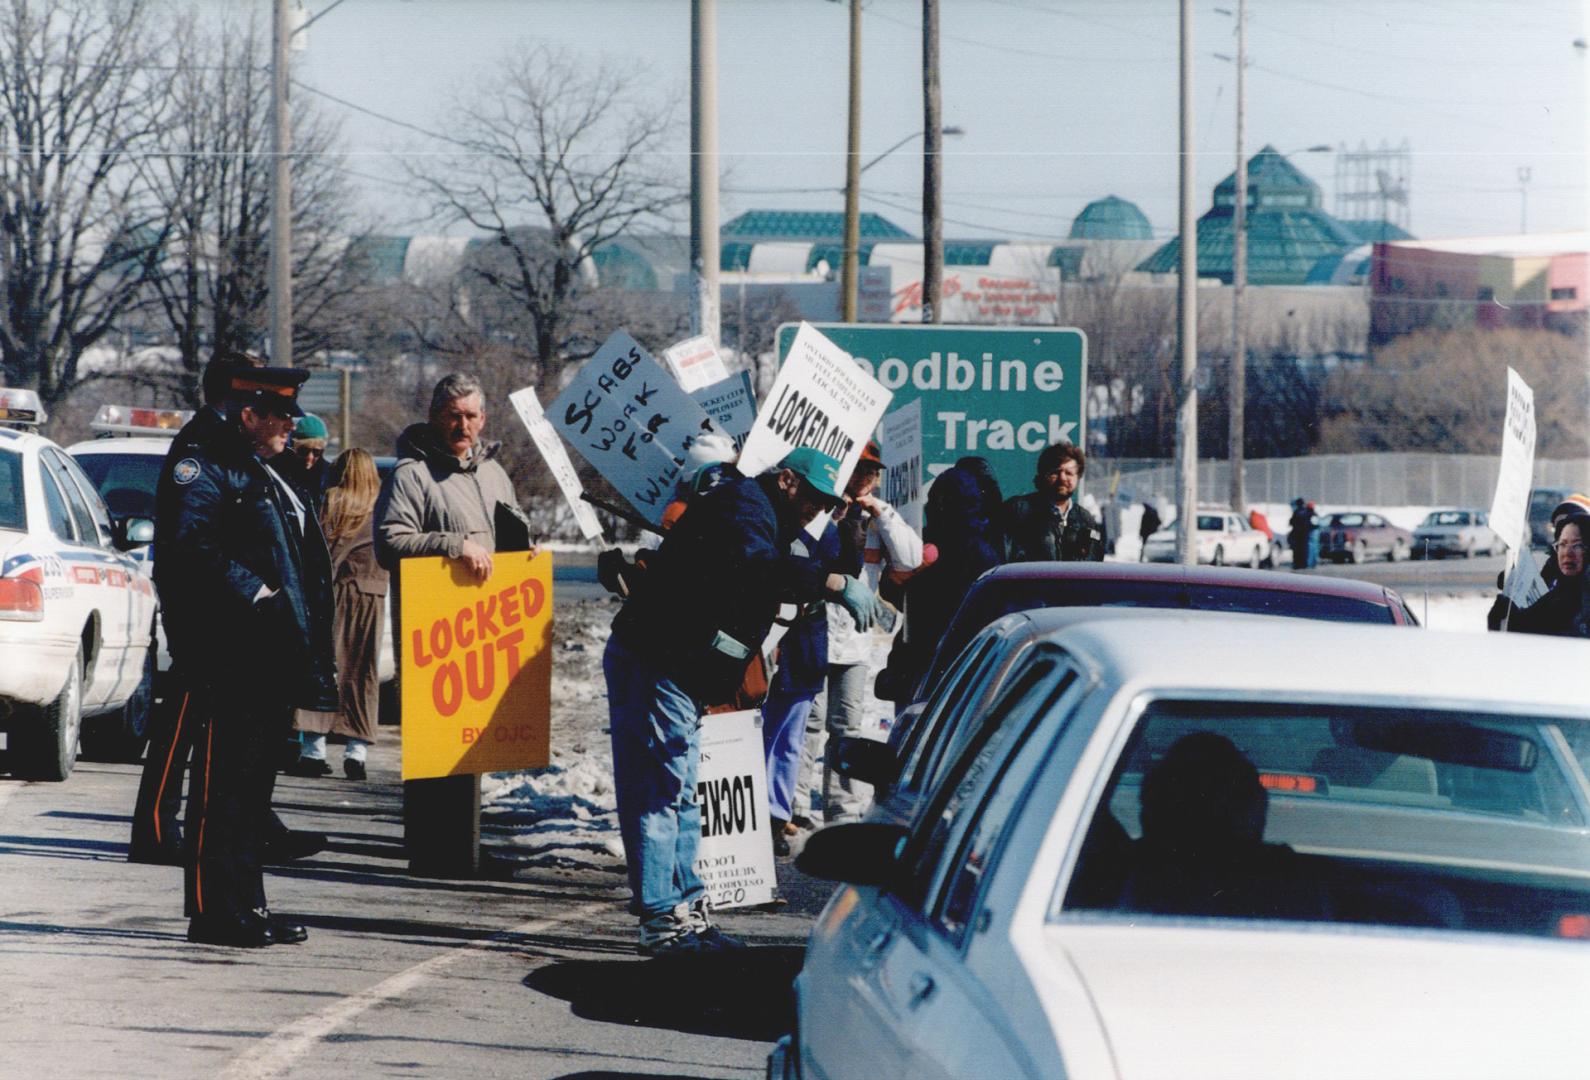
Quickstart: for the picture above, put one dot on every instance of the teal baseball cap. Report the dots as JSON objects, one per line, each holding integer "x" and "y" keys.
{"x": 818, "y": 469}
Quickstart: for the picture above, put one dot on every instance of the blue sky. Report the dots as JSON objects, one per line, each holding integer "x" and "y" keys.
{"x": 1062, "y": 102}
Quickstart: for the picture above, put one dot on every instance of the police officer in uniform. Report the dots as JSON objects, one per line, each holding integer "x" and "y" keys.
{"x": 176, "y": 723}
{"x": 238, "y": 551}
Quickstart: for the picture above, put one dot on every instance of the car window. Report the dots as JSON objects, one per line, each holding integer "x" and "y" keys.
{"x": 55, "y": 508}
{"x": 1337, "y": 813}
{"x": 1209, "y": 523}
{"x": 90, "y": 496}
{"x": 87, "y": 529}
{"x": 952, "y": 691}
{"x": 976, "y": 853}
{"x": 987, "y": 744}
{"x": 125, "y": 481}
{"x": 1347, "y": 519}
{"x": 13, "y": 502}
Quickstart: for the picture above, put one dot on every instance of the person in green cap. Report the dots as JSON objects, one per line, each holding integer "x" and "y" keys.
{"x": 682, "y": 641}
{"x": 309, "y": 453}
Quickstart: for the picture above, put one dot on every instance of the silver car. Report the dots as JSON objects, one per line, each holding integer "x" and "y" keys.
{"x": 1455, "y": 532}
{"x": 1147, "y": 864}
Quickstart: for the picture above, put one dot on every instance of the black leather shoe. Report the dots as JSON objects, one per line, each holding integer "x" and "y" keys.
{"x": 353, "y": 768}
{"x": 251, "y": 932}
{"x": 286, "y": 932}
{"x": 294, "y": 844}
{"x": 313, "y": 768}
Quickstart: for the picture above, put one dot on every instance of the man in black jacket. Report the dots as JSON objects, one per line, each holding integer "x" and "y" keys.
{"x": 236, "y": 546}
{"x": 1048, "y": 525}
{"x": 703, "y": 605}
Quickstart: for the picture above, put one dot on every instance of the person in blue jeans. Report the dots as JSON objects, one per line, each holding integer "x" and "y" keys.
{"x": 704, "y": 602}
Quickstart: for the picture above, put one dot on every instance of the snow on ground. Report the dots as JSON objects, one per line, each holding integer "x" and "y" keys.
{"x": 563, "y": 816}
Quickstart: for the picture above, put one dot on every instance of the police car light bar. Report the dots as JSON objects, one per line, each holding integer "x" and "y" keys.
{"x": 126, "y": 420}
{"x": 21, "y": 407}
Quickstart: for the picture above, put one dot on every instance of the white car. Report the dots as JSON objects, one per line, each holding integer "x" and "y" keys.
{"x": 1455, "y": 532}
{"x": 1224, "y": 539}
{"x": 77, "y": 619}
{"x": 1150, "y": 865}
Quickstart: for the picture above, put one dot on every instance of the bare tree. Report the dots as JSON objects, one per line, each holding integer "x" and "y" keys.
{"x": 78, "y": 236}
{"x": 552, "y": 158}
{"x": 212, "y": 292}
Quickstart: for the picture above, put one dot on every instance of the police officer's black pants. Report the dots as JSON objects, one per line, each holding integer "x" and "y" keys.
{"x": 229, "y": 801}
{"x": 173, "y": 730}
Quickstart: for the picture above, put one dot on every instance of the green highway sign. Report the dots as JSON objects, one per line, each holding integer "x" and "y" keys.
{"x": 1002, "y": 393}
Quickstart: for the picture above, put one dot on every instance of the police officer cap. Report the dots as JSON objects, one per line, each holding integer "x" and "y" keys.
{"x": 818, "y": 469}
{"x": 272, "y": 388}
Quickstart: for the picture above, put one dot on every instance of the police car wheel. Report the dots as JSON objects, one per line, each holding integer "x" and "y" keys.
{"x": 48, "y": 738}
{"x": 122, "y": 735}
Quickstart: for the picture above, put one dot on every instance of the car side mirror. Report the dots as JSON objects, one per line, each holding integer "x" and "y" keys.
{"x": 132, "y": 532}
{"x": 866, "y": 760}
{"x": 856, "y": 853}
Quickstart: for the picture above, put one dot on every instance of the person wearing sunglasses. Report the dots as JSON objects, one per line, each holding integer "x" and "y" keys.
{"x": 1565, "y": 610}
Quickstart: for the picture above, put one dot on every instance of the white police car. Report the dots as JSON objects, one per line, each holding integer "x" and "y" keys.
{"x": 77, "y": 619}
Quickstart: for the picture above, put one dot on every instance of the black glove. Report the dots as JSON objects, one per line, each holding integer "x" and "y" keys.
{"x": 614, "y": 571}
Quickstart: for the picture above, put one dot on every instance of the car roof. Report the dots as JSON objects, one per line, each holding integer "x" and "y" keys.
{"x": 1338, "y": 662}
{"x": 153, "y": 445}
{"x": 1176, "y": 574}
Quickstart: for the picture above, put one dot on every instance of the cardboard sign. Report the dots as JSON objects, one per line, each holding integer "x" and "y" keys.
{"x": 476, "y": 666}
{"x": 631, "y": 421}
{"x": 900, "y": 439}
{"x": 821, "y": 399}
{"x": 1510, "y": 505}
{"x": 735, "y": 859}
{"x": 695, "y": 363}
{"x": 546, "y": 439}
{"x": 732, "y": 405}
{"x": 1524, "y": 584}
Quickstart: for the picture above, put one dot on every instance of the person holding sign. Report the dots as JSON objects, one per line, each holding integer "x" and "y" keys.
{"x": 1048, "y": 525}
{"x": 1565, "y": 610}
{"x": 691, "y": 625}
{"x": 443, "y": 499}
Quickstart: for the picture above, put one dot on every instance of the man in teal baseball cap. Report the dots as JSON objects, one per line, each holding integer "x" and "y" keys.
{"x": 309, "y": 450}
{"x": 818, "y": 473}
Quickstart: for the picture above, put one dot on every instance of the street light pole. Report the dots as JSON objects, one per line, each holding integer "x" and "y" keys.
{"x": 1238, "y": 389}
{"x": 281, "y": 245}
{"x": 704, "y": 247}
{"x": 1187, "y": 314}
{"x": 932, "y": 169}
{"x": 852, "y": 254}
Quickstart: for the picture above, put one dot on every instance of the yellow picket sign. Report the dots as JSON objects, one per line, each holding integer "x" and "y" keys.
{"x": 476, "y": 666}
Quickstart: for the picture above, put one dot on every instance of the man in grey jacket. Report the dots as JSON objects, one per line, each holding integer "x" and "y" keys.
{"x": 442, "y": 500}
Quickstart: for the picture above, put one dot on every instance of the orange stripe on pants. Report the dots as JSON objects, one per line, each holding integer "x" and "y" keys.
{"x": 204, "y": 804}
{"x": 176, "y": 737}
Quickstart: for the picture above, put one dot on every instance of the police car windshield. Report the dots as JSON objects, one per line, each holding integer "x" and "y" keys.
{"x": 125, "y": 481}
{"x": 13, "y": 511}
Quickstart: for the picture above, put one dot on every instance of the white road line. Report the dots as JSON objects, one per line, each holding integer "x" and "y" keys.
{"x": 274, "y": 1055}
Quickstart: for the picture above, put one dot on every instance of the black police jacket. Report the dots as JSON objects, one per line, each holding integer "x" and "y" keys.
{"x": 222, "y": 532}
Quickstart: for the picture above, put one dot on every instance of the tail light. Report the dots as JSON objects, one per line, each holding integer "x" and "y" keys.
{"x": 21, "y": 598}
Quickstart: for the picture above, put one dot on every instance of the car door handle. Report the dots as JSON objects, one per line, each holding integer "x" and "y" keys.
{"x": 921, "y": 988}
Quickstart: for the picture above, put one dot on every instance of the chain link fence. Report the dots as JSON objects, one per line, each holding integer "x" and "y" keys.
{"x": 1335, "y": 479}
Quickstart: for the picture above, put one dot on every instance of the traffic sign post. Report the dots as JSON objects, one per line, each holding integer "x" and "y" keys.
{"x": 1001, "y": 393}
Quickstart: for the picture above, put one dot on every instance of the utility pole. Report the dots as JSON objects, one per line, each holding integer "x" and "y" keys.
{"x": 281, "y": 250}
{"x": 1237, "y": 390}
{"x": 1187, "y": 315}
{"x": 932, "y": 169}
{"x": 704, "y": 248}
{"x": 852, "y": 257}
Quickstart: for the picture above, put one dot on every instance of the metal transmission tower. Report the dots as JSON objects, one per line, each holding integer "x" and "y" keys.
{"x": 1374, "y": 185}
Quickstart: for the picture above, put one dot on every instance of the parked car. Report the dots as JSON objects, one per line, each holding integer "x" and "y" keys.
{"x": 1456, "y": 532}
{"x": 1223, "y": 538}
{"x": 1358, "y": 535}
{"x": 1146, "y": 864}
{"x": 77, "y": 619}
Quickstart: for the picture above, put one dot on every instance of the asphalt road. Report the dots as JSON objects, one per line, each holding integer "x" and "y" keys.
{"x": 529, "y": 975}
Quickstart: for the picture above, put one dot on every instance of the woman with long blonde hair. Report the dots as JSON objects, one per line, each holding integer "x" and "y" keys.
{"x": 359, "y": 588}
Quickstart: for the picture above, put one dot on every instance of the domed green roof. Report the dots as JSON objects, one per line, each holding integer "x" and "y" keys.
{"x": 1111, "y": 218}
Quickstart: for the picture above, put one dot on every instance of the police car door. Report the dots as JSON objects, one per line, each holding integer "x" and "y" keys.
{"x": 103, "y": 579}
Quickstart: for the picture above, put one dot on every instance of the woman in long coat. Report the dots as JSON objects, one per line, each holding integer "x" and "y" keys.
{"x": 359, "y": 588}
